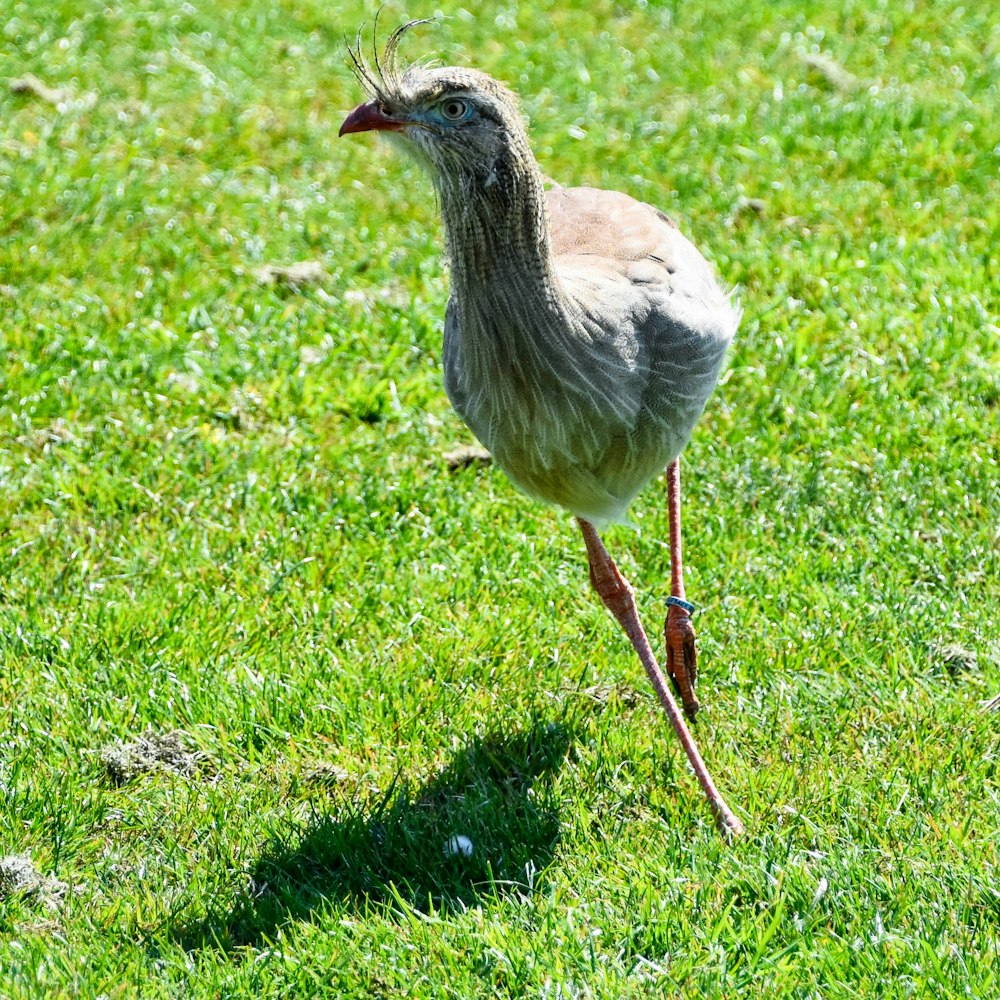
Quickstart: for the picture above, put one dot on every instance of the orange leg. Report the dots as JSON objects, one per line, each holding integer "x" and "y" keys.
{"x": 619, "y": 598}
{"x": 682, "y": 652}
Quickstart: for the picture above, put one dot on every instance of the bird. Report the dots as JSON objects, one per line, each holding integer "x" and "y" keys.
{"x": 583, "y": 332}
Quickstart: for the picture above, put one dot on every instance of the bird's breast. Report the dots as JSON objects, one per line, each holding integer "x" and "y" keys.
{"x": 575, "y": 416}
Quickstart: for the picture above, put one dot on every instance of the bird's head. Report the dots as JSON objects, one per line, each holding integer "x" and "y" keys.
{"x": 462, "y": 125}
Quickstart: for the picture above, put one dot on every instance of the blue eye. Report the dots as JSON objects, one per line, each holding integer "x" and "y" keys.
{"x": 455, "y": 110}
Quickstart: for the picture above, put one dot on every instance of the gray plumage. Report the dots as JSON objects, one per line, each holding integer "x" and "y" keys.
{"x": 584, "y": 332}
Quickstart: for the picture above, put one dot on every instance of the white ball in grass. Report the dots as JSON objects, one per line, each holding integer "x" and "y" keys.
{"x": 459, "y": 844}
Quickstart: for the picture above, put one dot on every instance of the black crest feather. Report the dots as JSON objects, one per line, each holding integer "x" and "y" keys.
{"x": 382, "y": 81}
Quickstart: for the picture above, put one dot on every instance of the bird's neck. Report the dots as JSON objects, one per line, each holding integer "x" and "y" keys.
{"x": 496, "y": 229}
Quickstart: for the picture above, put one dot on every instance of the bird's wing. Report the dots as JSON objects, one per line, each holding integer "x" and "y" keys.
{"x": 634, "y": 274}
{"x": 655, "y": 324}
{"x": 617, "y": 235}
{"x": 608, "y": 223}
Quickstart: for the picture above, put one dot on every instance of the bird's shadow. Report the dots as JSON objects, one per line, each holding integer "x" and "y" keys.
{"x": 401, "y": 852}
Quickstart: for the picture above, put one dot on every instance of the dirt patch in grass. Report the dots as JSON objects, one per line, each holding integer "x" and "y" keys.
{"x": 20, "y": 877}
{"x": 59, "y": 97}
{"x": 294, "y": 276}
{"x": 322, "y": 774}
{"x": 603, "y": 694}
{"x": 467, "y": 455}
{"x": 169, "y": 751}
{"x": 831, "y": 72}
{"x": 955, "y": 659}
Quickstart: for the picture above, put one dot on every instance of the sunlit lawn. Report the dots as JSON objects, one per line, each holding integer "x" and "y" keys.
{"x": 224, "y": 509}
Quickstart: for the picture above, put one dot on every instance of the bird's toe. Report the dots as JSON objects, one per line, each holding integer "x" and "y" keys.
{"x": 682, "y": 658}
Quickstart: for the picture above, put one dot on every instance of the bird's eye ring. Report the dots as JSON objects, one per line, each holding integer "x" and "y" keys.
{"x": 455, "y": 109}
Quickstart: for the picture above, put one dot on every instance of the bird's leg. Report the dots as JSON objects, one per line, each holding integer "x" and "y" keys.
{"x": 682, "y": 652}
{"x": 619, "y": 598}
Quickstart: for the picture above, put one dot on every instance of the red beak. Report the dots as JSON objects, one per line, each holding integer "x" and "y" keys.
{"x": 369, "y": 118}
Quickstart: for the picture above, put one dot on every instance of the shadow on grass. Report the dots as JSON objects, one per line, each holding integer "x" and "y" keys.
{"x": 396, "y": 854}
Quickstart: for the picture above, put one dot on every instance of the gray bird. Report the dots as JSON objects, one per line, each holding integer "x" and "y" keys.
{"x": 583, "y": 334}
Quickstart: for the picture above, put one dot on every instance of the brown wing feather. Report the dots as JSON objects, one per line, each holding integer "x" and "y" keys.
{"x": 608, "y": 224}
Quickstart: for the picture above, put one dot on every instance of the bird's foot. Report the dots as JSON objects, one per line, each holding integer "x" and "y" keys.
{"x": 682, "y": 657}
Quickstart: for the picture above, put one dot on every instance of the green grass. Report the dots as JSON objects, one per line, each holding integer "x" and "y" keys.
{"x": 223, "y": 509}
